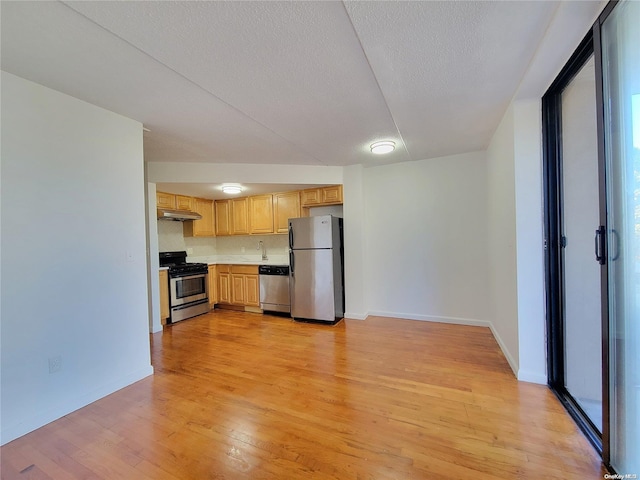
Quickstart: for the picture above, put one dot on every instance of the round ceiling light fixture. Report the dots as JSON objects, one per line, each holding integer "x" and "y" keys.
{"x": 231, "y": 188}
{"x": 385, "y": 146}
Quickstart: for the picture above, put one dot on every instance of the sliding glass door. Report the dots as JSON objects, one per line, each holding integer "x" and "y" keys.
{"x": 591, "y": 116}
{"x": 620, "y": 40}
{"x": 580, "y": 216}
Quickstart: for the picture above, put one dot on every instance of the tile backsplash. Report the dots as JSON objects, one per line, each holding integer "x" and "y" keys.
{"x": 171, "y": 238}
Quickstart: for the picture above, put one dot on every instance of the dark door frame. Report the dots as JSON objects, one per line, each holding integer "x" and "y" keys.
{"x": 554, "y": 275}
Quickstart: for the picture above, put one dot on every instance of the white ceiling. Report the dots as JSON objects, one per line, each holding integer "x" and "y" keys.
{"x": 309, "y": 83}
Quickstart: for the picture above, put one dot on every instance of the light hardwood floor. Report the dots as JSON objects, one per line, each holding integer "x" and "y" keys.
{"x": 244, "y": 396}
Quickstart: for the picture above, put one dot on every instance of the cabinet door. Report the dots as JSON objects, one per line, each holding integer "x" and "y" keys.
{"x": 224, "y": 288}
{"x": 286, "y": 205}
{"x": 165, "y": 200}
{"x": 203, "y": 227}
{"x": 238, "y": 296}
{"x": 184, "y": 203}
{"x": 222, "y": 217}
{"x": 312, "y": 196}
{"x": 213, "y": 286}
{"x": 252, "y": 290}
{"x": 332, "y": 194}
{"x": 164, "y": 296}
{"x": 261, "y": 214}
{"x": 239, "y": 216}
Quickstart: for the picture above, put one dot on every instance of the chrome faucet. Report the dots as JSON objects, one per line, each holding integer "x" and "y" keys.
{"x": 262, "y": 248}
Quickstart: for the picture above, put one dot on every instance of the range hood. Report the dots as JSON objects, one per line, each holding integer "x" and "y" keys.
{"x": 177, "y": 215}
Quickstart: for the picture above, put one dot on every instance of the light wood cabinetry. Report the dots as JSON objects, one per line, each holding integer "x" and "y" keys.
{"x": 205, "y": 226}
{"x": 311, "y": 197}
{"x": 261, "y": 214}
{"x": 184, "y": 203}
{"x": 212, "y": 280}
{"x": 165, "y": 200}
{"x": 222, "y": 217}
{"x": 242, "y": 286}
{"x": 332, "y": 195}
{"x": 286, "y": 205}
{"x": 164, "y": 296}
{"x": 237, "y": 289}
{"x": 256, "y": 215}
{"x": 239, "y": 216}
{"x": 224, "y": 284}
{"x": 315, "y": 197}
{"x": 252, "y": 290}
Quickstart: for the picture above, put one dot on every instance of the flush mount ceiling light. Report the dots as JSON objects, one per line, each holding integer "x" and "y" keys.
{"x": 383, "y": 147}
{"x": 231, "y": 188}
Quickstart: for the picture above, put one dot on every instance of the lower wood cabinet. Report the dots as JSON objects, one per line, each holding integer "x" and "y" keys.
{"x": 212, "y": 280}
{"x": 224, "y": 284}
{"x": 239, "y": 285}
{"x": 164, "y": 296}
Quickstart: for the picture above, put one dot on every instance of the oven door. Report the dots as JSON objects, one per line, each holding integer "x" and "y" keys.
{"x": 188, "y": 289}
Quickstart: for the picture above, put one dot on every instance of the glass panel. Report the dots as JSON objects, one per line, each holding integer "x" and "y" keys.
{"x": 621, "y": 77}
{"x": 580, "y": 218}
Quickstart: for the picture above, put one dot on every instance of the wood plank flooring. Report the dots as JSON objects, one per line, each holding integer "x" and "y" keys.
{"x": 244, "y": 396}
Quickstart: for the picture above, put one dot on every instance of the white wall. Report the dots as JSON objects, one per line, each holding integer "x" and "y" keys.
{"x": 527, "y": 131}
{"x": 502, "y": 239}
{"x": 426, "y": 231}
{"x": 74, "y": 266}
{"x": 355, "y": 243}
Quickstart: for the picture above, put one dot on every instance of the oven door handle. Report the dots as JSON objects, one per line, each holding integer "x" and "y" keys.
{"x": 187, "y": 277}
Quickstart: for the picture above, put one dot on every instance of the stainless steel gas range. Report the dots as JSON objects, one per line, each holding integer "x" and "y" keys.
{"x": 188, "y": 289}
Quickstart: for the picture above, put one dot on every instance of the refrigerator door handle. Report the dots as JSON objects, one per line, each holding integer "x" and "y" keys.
{"x": 290, "y": 236}
{"x": 292, "y": 262}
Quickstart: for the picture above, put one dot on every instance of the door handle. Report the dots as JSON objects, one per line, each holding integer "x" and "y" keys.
{"x": 599, "y": 245}
{"x": 292, "y": 262}
{"x": 616, "y": 237}
{"x": 290, "y": 236}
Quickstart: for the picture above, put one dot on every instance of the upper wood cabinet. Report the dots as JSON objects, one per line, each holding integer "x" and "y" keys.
{"x": 332, "y": 195}
{"x": 222, "y": 217}
{"x": 205, "y": 226}
{"x": 315, "y": 197}
{"x": 311, "y": 196}
{"x": 261, "y": 214}
{"x": 286, "y": 205}
{"x": 165, "y": 200}
{"x": 239, "y": 216}
{"x": 184, "y": 203}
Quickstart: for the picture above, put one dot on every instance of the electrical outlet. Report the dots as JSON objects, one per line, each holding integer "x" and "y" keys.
{"x": 189, "y": 251}
{"x": 55, "y": 364}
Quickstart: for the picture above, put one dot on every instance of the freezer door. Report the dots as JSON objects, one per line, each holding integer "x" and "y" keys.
{"x": 312, "y": 289}
{"x": 311, "y": 232}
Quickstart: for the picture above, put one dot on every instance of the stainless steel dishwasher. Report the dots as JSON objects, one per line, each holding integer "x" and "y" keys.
{"x": 274, "y": 288}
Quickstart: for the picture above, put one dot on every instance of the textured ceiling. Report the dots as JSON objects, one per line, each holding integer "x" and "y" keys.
{"x": 310, "y": 83}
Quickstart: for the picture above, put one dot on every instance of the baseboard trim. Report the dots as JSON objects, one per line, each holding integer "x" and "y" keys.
{"x": 11, "y": 432}
{"x": 432, "y": 318}
{"x": 356, "y": 316}
{"x": 532, "y": 377}
{"x": 505, "y": 351}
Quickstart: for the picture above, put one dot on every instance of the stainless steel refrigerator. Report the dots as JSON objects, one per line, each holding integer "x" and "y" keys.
{"x": 316, "y": 268}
